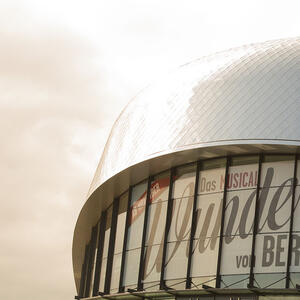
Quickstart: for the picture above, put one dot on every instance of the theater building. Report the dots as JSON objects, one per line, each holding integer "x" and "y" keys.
{"x": 197, "y": 193}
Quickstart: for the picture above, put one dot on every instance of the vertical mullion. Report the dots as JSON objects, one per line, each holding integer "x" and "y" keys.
{"x": 193, "y": 228}
{"x": 121, "y": 286}
{"x": 256, "y": 223}
{"x": 287, "y": 283}
{"x": 99, "y": 254}
{"x": 83, "y": 273}
{"x": 88, "y": 259}
{"x": 218, "y": 280}
{"x": 167, "y": 228}
{"x": 141, "y": 266}
{"x": 91, "y": 260}
{"x": 111, "y": 246}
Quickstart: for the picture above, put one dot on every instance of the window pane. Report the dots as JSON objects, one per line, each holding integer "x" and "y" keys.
{"x": 105, "y": 247}
{"x": 271, "y": 281}
{"x": 156, "y": 223}
{"x": 208, "y": 280}
{"x": 205, "y": 257}
{"x": 275, "y": 204}
{"x": 271, "y": 253}
{"x": 296, "y": 222}
{"x": 153, "y": 260}
{"x": 181, "y": 219}
{"x": 277, "y": 173}
{"x": 239, "y": 212}
{"x": 160, "y": 187}
{"x": 208, "y": 215}
{"x": 135, "y": 228}
{"x": 242, "y": 177}
{"x": 132, "y": 259}
{"x": 102, "y": 274}
{"x": 236, "y": 255}
{"x": 176, "y": 260}
{"x": 121, "y": 223}
{"x": 121, "y": 220}
{"x": 295, "y": 259}
{"x": 107, "y": 232}
{"x": 208, "y": 221}
{"x": 298, "y": 172}
{"x": 115, "y": 276}
{"x": 157, "y": 212}
{"x": 138, "y": 195}
{"x": 134, "y": 234}
{"x": 239, "y": 220}
{"x": 136, "y": 218}
{"x": 275, "y": 198}
{"x": 235, "y": 282}
{"x": 95, "y": 249}
{"x": 211, "y": 181}
{"x": 184, "y": 183}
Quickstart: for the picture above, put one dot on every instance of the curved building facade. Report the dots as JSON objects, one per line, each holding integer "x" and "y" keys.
{"x": 197, "y": 191}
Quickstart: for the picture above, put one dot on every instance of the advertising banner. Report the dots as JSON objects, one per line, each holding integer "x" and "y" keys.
{"x": 275, "y": 195}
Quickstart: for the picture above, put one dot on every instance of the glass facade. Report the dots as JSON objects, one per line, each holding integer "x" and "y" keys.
{"x": 134, "y": 235}
{"x": 237, "y": 235}
{"x": 229, "y": 222}
{"x": 155, "y": 230}
{"x": 177, "y": 246}
{"x": 105, "y": 247}
{"x": 119, "y": 241}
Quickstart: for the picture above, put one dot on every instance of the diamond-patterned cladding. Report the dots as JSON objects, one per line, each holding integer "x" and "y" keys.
{"x": 247, "y": 93}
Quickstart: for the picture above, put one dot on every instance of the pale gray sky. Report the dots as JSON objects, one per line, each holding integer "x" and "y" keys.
{"x": 66, "y": 70}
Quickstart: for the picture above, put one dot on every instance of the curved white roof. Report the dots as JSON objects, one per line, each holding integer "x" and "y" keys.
{"x": 249, "y": 94}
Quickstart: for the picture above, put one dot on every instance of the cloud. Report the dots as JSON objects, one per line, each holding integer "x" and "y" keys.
{"x": 54, "y": 108}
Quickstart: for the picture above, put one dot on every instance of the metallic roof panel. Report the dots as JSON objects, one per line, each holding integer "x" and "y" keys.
{"x": 247, "y": 93}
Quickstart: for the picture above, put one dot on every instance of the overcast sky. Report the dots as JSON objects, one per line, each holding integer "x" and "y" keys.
{"x": 66, "y": 70}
